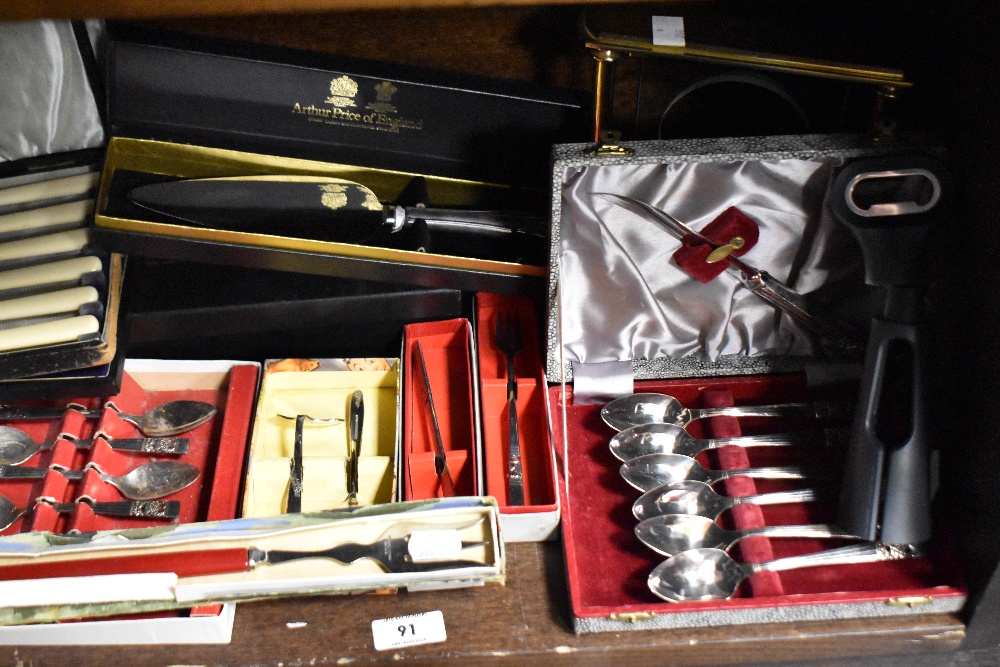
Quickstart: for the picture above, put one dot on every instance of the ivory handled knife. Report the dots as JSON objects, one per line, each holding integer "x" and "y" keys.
{"x": 66, "y": 186}
{"x": 61, "y": 215}
{"x": 50, "y": 303}
{"x": 63, "y": 272}
{"x": 74, "y": 240}
{"x": 48, "y": 333}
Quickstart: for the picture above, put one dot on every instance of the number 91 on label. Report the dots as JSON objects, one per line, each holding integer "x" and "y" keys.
{"x": 426, "y": 628}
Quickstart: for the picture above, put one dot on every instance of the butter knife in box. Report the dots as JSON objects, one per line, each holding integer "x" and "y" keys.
{"x": 50, "y": 306}
{"x": 54, "y": 332}
{"x": 87, "y": 270}
{"x": 28, "y": 194}
{"x": 41, "y": 249}
{"x": 49, "y": 219}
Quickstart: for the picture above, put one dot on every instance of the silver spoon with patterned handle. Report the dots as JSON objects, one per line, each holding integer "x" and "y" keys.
{"x": 711, "y": 574}
{"x": 689, "y": 497}
{"x": 171, "y": 418}
{"x": 670, "y": 534}
{"x": 652, "y": 408}
{"x": 672, "y": 439}
{"x": 147, "y": 509}
{"x": 149, "y": 481}
{"x": 16, "y": 446}
{"x": 652, "y": 470}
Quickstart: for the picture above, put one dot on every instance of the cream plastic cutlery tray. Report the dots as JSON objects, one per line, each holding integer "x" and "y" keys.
{"x": 321, "y": 390}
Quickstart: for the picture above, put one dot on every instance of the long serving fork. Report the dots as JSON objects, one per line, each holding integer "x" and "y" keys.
{"x": 508, "y": 341}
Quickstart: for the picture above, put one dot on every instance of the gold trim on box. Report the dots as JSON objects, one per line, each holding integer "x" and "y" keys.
{"x": 187, "y": 161}
{"x": 330, "y": 248}
{"x": 910, "y": 601}
{"x": 632, "y": 616}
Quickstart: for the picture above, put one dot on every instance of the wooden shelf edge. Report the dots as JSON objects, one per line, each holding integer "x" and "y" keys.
{"x": 13, "y": 10}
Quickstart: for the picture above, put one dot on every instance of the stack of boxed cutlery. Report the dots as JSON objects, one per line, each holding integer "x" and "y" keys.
{"x": 59, "y": 296}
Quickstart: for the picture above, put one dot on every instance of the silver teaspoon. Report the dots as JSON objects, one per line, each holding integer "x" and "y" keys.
{"x": 671, "y": 534}
{"x": 672, "y": 439}
{"x": 690, "y": 497}
{"x": 16, "y": 446}
{"x": 651, "y": 408}
{"x": 149, "y": 509}
{"x": 149, "y": 481}
{"x": 171, "y": 418}
{"x": 710, "y": 574}
{"x": 652, "y": 470}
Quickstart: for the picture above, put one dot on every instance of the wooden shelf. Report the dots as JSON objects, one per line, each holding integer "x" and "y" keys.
{"x": 14, "y": 10}
{"x": 525, "y": 622}
{"x": 528, "y": 621}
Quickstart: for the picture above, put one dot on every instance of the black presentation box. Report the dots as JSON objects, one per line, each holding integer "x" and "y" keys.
{"x": 183, "y": 106}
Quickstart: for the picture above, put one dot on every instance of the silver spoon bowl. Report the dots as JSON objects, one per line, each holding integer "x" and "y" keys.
{"x": 652, "y": 470}
{"x": 711, "y": 574}
{"x": 663, "y": 438}
{"x": 16, "y": 446}
{"x": 149, "y": 481}
{"x": 671, "y": 534}
{"x": 171, "y": 418}
{"x": 690, "y": 497}
{"x": 652, "y": 408}
{"x": 9, "y": 512}
{"x": 152, "y": 480}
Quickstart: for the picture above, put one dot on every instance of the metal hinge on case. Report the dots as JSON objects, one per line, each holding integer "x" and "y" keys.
{"x": 607, "y": 145}
{"x": 632, "y": 616}
{"x": 910, "y": 601}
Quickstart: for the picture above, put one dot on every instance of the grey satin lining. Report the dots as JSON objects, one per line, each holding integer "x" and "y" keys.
{"x": 46, "y": 102}
{"x": 624, "y": 298}
{"x": 600, "y": 383}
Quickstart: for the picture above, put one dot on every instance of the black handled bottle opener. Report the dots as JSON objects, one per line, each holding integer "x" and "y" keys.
{"x": 891, "y": 205}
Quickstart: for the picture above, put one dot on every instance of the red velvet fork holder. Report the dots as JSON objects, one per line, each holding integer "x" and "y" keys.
{"x": 217, "y": 448}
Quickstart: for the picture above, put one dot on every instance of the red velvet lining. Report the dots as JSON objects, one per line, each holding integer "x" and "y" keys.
{"x": 692, "y": 256}
{"x": 536, "y": 459}
{"x": 446, "y": 349}
{"x": 607, "y": 566}
{"x": 217, "y": 447}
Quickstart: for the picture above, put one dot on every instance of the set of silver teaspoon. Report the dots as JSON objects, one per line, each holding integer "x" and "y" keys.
{"x": 143, "y": 486}
{"x": 678, "y": 508}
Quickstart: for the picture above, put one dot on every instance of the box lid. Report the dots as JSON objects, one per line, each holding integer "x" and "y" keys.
{"x": 242, "y": 96}
{"x": 51, "y": 95}
{"x": 617, "y": 296}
